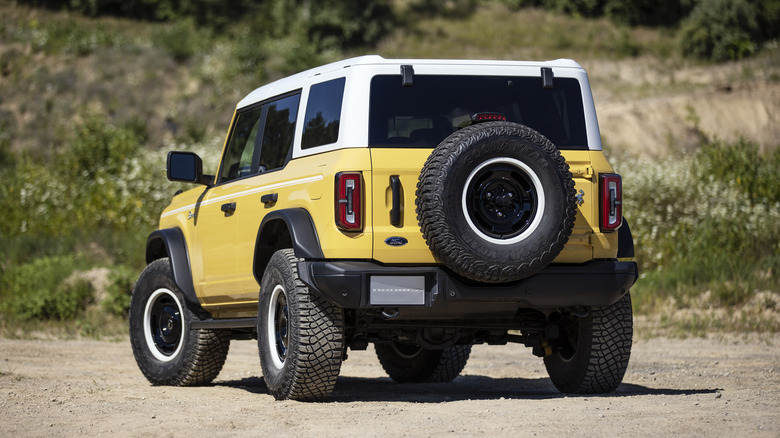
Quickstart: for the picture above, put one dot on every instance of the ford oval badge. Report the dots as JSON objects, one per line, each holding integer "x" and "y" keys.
{"x": 396, "y": 241}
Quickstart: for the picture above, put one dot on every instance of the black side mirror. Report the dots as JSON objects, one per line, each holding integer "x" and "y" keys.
{"x": 186, "y": 167}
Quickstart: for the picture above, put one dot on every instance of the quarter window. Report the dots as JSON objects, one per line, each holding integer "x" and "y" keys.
{"x": 323, "y": 113}
{"x": 237, "y": 161}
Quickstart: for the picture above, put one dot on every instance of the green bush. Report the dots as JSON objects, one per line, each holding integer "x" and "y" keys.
{"x": 101, "y": 180}
{"x": 721, "y": 30}
{"x": 181, "y": 39}
{"x": 121, "y": 283}
{"x": 39, "y": 291}
{"x": 706, "y": 222}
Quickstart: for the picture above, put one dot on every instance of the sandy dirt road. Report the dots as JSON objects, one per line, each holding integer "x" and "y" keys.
{"x": 695, "y": 387}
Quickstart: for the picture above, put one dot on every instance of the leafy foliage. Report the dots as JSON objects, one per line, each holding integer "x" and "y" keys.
{"x": 721, "y": 30}
{"x": 709, "y": 221}
{"x": 38, "y": 290}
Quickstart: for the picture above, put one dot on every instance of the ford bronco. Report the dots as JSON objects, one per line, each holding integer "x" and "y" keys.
{"x": 422, "y": 206}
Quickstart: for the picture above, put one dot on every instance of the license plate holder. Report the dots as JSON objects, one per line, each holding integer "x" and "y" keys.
{"x": 397, "y": 290}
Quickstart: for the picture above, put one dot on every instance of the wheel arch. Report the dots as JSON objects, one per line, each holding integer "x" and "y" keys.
{"x": 170, "y": 243}
{"x": 289, "y": 228}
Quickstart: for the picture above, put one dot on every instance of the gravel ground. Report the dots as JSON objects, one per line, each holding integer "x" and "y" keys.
{"x": 696, "y": 387}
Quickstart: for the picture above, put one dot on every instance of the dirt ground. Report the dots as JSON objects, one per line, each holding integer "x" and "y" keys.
{"x": 695, "y": 387}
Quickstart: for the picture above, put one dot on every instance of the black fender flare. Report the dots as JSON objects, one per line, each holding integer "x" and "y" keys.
{"x": 170, "y": 243}
{"x": 625, "y": 241}
{"x": 303, "y": 238}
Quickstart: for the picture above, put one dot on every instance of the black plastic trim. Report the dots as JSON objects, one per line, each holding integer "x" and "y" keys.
{"x": 395, "y": 212}
{"x": 407, "y": 75}
{"x": 170, "y": 243}
{"x": 596, "y": 283}
{"x": 625, "y": 241}
{"x": 305, "y": 241}
{"x": 547, "y": 78}
{"x": 303, "y": 238}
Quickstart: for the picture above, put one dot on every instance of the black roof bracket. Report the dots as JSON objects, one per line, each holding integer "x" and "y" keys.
{"x": 407, "y": 75}
{"x": 547, "y": 78}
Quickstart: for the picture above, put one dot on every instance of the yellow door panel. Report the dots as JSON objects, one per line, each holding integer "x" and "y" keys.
{"x": 405, "y": 164}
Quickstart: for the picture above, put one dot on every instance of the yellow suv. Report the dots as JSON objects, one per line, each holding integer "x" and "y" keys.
{"x": 422, "y": 206}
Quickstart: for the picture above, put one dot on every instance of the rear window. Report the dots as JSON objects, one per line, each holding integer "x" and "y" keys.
{"x": 436, "y": 106}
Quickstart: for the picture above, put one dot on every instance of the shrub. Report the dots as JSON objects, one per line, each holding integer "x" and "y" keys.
{"x": 697, "y": 225}
{"x": 180, "y": 39}
{"x": 121, "y": 283}
{"x": 39, "y": 291}
{"x": 721, "y": 30}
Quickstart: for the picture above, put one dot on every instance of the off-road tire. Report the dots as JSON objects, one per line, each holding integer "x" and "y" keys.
{"x": 166, "y": 350}
{"x": 300, "y": 336}
{"x": 593, "y": 355}
{"x": 411, "y": 363}
{"x": 496, "y": 202}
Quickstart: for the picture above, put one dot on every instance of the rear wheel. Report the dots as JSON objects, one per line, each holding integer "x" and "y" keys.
{"x": 166, "y": 350}
{"x": 412, "y": 363}
{"x": 592, "y": 355}
{"x": 300, "y": 336}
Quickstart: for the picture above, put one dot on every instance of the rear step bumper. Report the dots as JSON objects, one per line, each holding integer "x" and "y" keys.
{"x": 361, "y": 285}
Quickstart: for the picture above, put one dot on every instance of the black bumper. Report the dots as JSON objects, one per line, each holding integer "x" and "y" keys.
{"x": 596, "y": 283}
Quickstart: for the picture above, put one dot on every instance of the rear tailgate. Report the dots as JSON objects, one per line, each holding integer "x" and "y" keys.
{"x": 401, "y": 242}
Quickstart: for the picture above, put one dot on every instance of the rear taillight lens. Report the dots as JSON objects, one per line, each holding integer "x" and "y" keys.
{"x": 349, "y": 201}
{"x": 611, "y": 201}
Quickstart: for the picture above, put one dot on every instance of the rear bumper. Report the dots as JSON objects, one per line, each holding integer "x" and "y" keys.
{"x": 348, "y": 285}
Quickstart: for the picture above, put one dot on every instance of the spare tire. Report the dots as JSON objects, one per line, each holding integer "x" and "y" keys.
{"x": 496, "y": 202}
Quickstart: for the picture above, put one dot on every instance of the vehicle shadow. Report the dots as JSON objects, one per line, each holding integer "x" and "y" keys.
{"x": 356, "y": 389}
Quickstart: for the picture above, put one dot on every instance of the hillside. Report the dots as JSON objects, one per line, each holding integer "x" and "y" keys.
{"x": 89, "y": 107}
{"x": 57, "y": 65}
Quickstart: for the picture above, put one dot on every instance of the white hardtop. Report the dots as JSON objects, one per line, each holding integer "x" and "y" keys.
{"x": 298, "y": 80}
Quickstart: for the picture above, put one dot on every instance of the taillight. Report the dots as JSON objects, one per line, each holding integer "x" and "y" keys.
{"x": 611, "y": 201}
{"x": 349, "y": 201}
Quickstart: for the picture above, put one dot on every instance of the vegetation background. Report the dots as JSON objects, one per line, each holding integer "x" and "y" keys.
{"x": 93, "y": 93}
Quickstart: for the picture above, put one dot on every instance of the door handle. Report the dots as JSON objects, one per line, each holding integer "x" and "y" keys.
{"x": 229, "y": 208}
{"x": 269, "y": 199}
{"x": 395, "y": 212}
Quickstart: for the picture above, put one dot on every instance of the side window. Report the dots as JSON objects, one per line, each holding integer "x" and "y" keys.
{"x": 237, "y": 161}
{"x": 323, "y": 113}
{"x": 279, "y": 132}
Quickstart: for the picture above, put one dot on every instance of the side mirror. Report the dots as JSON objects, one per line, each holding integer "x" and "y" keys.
{"x": 186, "y": 167}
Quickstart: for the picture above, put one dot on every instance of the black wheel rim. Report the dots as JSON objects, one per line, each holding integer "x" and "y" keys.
{"x": 281, "y": 326}
{"x": 502, "y": 201}
{"x": 166, "y": 324}
{"x": 406, "y": 351}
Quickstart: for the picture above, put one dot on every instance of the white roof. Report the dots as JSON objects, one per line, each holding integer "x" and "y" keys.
{"x": 297, "y": 80}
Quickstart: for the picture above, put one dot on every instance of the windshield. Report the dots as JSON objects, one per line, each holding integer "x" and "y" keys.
{"x": 438, "y": 105}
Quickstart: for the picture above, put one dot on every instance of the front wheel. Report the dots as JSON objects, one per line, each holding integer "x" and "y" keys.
{"x": 167, "y": 351}
{"x": 592, "y": 355}
{"x": 300, "y": 336}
